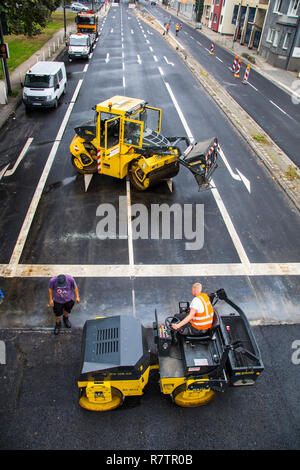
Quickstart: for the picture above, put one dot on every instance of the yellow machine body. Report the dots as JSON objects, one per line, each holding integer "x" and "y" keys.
{"x": 115, "y": 143}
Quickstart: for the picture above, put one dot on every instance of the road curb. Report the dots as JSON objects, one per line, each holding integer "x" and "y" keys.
{"x": 274, "y": 159}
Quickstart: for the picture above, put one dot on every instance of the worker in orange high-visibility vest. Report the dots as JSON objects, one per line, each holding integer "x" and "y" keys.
{"x": 200, "y": 317}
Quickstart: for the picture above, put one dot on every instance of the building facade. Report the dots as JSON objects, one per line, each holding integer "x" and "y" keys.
{"x": 248, "y": 19}
{"x": 280, "y": 44}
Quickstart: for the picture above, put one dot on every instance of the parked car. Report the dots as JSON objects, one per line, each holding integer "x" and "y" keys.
{"x": 79, "y": 7}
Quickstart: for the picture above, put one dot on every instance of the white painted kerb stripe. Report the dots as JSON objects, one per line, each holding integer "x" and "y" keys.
{"x": 16, "y": 255}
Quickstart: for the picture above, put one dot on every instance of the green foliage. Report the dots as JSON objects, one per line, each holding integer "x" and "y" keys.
{"x": 28, "y": 16}
{"x": 199, "y": 10}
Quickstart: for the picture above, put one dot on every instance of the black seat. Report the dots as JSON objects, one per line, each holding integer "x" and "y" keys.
{"x": 208, "y": 335}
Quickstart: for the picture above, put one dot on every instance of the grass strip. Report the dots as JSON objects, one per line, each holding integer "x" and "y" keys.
{"x": 22, "y": 47}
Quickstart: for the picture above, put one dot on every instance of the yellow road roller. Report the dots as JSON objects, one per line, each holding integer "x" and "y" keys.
{"x": 125, "y": 139}
{"x": 118, "y": 354}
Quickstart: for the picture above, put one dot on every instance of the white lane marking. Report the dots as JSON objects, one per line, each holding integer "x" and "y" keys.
{"x": 230, "y": 227}
{"x": 90, "y": 55}
{"x": 124, "y": 85}
{"x": 150, "y": 48}
{"x": 155, "y": 58}
{"x": 132, "y": 32}
{"x": 107, "y": 57}
{"x": 219, "y": 59}
{"x": 274, "y": 104}
{"x": 169, "y": 63}
{"x": 139, "y": 59}
{"x": 20, "y": 157}
{"x": 16, "y": 255}
{"x": 86, "y": 67}
{"x": 2, "y": 353}
{"x": 151, "y": 270}
{"x": 252, "y": 86}
{"x": 161, "y": 71}
{"x": 240, "y": 176}
{"x": 182, "y": 118}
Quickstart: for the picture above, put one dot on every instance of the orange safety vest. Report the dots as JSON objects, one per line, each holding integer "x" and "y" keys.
{"x": 177, "y": 28}
{"x": 204, "y": 320}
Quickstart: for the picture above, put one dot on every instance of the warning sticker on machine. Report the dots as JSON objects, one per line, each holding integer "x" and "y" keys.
{"x": 200, "y": 362}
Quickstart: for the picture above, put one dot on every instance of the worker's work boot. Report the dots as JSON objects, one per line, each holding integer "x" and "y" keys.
{"x": 67, "y": 322}
{"x": 57, "y": 328}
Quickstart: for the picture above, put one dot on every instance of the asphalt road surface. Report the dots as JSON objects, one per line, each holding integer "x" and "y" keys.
{"x": 39, "y": 403}
{"x": 270, "y": 106}
{"x": 247, "y": 243}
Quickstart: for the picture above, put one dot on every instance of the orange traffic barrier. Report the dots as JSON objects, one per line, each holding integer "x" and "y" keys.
{"x": 237, "y": 73}
{"x": 234, "y": 63}
{"x": 212, "y": 48}
{"x": 246, "y": 76}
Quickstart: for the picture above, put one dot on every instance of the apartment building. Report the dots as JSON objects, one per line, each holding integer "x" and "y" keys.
{"x": 280, "y": 44}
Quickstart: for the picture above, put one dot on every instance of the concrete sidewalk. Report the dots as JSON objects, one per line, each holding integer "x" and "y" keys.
{"x": 284, "y": 79}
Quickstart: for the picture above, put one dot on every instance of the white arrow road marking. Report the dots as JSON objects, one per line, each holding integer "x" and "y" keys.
{"x": 240, "y": 176}
{"x": 169, "y": 63}
{"x": 107, "y": 58}
{"x": 20, "y": 158}
{"x": 3, "y": 171}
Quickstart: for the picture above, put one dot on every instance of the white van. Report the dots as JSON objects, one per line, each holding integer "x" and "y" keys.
{"x": 44, "y": 84}
{"x": 80, "y": 46}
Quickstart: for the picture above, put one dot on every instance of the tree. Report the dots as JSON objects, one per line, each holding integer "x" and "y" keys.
{"x": 28, "y": 16}
{"x": 199, "y": 10}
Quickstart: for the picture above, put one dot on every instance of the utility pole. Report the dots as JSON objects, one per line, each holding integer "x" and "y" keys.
{"x": 4, "y": 62}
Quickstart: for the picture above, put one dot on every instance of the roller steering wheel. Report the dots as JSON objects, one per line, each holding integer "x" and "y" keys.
{"x": 169, "y": 321}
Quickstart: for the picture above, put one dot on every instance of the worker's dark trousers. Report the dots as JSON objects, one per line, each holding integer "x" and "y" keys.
{"x": 188, "y": 329}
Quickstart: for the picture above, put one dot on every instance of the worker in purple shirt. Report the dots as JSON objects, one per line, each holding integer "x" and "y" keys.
{"x": 61, "y": 294}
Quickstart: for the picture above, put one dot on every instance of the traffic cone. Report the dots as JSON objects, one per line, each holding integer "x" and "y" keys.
{"x": 234, "y": 63}
{"x": 212, "y": 47}
{"x": 246, "y": 76}
{"x": 237, "y": 73}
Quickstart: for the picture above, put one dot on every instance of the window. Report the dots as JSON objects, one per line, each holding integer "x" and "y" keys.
{"x": 215, "y": 18}
{"x": 286, "y": 41}
{"x": 276, "y": 39}
{"x": 60, "y": 75}
{"x": 221, "y": 19}
{"x": 207, "y": 11}
{"x": 278, "y": 6}
{"x": 293, "y": 7}
{"x": 270, "y": 36}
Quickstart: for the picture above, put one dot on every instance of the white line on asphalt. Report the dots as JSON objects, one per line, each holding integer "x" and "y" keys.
{"x": 274, "y": 104}
{"x": 252, "y": 86}
{"x": 18, "y": 249}
{"x": 230, "y": 227}
{"x": 139, "y": 59}
{"x": 219, "y": 59}
{"x": 86, "y": 67}
{"x": 199, "y": 43}
{"x": 161, "y": 71}
{"x": 169, "y": 63}
{"x": 124, "y": 82}
{"x": 20, "y": 157}
{"x": 182, "y": 118}
{"x": 2, "y": 172}
{"x": 2, "y": 352}
{"x": 150, "y": 270}
{"x": 90, "y": 55}
{"x": 155, "y": 58}
{"x": 150, "y": 49}
{"x": 240, "y": 176}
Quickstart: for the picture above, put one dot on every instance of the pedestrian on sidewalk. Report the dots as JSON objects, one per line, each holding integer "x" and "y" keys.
{"x": 167, "y": 28}
{"x": 61, "y": 294}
